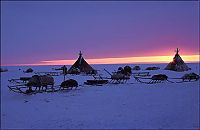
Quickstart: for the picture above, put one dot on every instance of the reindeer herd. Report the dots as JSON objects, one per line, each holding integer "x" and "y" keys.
{"x": 46, "y": 83}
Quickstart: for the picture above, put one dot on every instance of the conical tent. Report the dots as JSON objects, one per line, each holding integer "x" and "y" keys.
{"x": 177, "y": 64}
{"x": 81, "y": 66}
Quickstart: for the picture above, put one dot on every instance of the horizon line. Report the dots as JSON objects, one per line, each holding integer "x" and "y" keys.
{"x": 124, "y": 60}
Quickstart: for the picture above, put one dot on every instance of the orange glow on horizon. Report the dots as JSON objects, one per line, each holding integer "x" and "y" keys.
{"x": 125, "y": 60}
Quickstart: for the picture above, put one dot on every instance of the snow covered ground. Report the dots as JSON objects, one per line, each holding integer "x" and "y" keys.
{"x": 130, "y": 105}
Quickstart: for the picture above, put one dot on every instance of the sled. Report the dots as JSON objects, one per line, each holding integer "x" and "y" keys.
{"x": 21, "y": 80}
{"x": 98, "y": 80}
{"x": 160, "y": 78}
{"x": 141, "y": 74}
{"x": 26, "y": 90}
{"x": 182, "y": 80}
{"x": 118, "y": 77}
{"x": 49, "y": 73}
{"x": 191, "y": 77}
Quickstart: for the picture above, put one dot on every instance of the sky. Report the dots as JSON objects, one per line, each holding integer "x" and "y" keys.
{"x": 51, "y": 32}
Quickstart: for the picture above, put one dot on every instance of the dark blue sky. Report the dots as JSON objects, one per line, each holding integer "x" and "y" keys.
{"x": 37, "y": 31}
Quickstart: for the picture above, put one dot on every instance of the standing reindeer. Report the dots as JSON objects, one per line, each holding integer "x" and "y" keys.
{"x": 40, "y": 82}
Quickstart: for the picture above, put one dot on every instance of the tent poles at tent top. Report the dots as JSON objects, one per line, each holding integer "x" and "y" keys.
{"x": 80, "y": 54}
{"x": 177, "y": 50}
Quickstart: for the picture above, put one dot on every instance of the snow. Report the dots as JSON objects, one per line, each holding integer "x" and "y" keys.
{"x": 117, "y": 106}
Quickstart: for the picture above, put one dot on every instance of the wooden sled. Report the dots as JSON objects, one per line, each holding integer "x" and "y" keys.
{"x": 26, "y": 90}
{"x": 98, "y": 80}
{"x": 150, "y": 80}
{"x": 23, "y": 89}
{"x": 17, "y": 88}
{"x": 182, "y": 80}
{"x": 141, "y": 74}
{"x": 21, "y": 80}
{"x": 191, "y": 77}
{"x": 118, "y": 78}
{"x": 160, "y": 78}
{"x": 49, "y": 73}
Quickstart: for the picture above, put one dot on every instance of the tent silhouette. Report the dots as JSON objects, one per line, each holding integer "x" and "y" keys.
{"x": 177, "y": 64}
{"x": 81, "y": 66}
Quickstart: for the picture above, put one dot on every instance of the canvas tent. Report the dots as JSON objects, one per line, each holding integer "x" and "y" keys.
{"x": 81, "y": 66}
{"x": 177, "y": 64}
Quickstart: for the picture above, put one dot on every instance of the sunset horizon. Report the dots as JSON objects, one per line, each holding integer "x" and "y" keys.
{"x": 121, "y": 60}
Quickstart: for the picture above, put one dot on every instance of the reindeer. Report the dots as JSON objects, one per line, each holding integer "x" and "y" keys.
{"x": 69, "y": 84}
{"x": 40, "y": 82}
{"x": 190, "y": 76}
